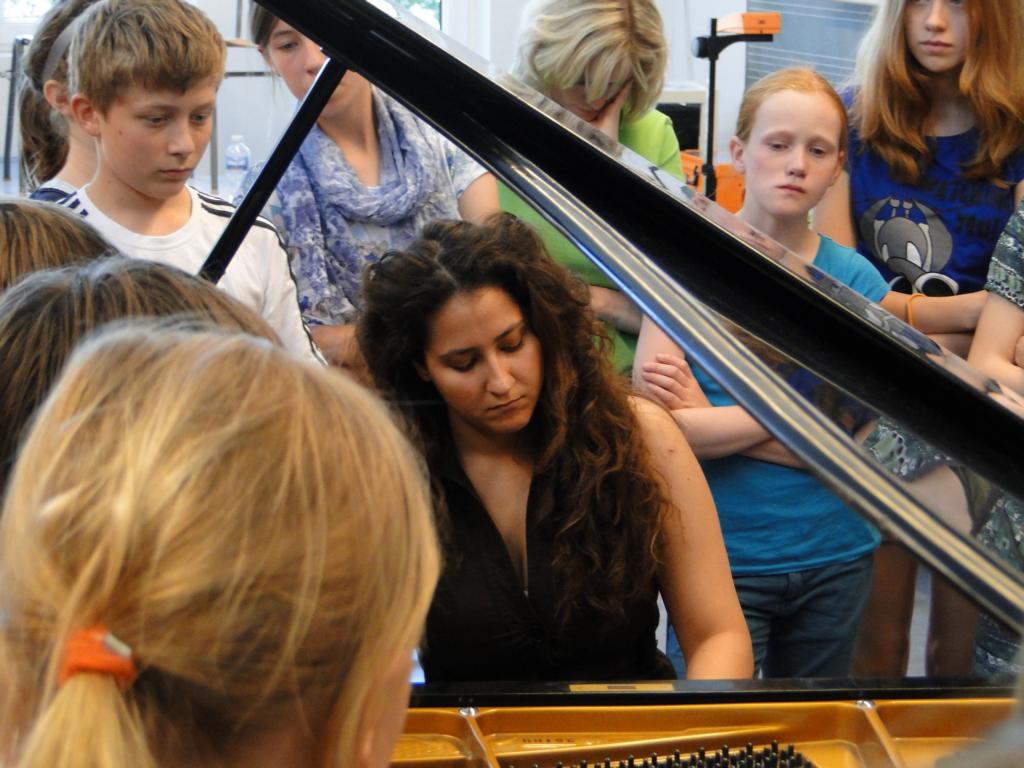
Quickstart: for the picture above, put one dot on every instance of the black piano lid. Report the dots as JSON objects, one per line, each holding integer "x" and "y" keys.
{"x": 672, "y": 252}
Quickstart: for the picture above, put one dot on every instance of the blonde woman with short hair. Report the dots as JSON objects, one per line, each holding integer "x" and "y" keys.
{"x": 212, "y": 555}
{"x": 604, "y": 61}
{"x": 588, "y": 54}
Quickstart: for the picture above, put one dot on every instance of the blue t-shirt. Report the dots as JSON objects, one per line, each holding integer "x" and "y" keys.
{"x": 935, "y": 237}
{"x": 779, "y": 519}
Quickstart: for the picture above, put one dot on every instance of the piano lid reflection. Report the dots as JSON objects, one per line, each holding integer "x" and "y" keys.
{"x": 633, "y": 230}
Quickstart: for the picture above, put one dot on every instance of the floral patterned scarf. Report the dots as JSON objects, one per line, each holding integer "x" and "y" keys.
{"x": 407, "y": 179}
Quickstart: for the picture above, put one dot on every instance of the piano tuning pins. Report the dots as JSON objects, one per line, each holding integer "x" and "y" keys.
{"x": 745, "y": 756}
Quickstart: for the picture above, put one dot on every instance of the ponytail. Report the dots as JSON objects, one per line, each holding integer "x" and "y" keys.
{"x": 43, "y": 130}
{"x": 87, "y": 723}
{"x": 44, "y": 136}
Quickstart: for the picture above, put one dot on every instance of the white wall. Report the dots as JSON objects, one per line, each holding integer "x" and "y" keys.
{"x": 8, "y": 31}
{"x": 238, "y": 95}
{"x": 685, "y": 21}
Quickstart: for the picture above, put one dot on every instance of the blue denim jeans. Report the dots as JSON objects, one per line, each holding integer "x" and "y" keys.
{"x": 804, "y": 623}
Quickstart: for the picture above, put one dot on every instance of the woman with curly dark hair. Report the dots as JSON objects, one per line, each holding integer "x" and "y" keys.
{"x": 565, "y": 505}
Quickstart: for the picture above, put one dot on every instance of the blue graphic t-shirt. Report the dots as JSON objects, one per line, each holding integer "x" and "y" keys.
{"x": 935, "y": 237}
{"x": 778, "y": 519}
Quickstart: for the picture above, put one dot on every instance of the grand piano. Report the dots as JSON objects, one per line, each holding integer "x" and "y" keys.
{"x": 701, "y": 274}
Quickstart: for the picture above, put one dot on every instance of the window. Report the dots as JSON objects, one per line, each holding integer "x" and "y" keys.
{"x": 823, "y": 34}
{"x": 23, "y": 10}
{"x": 427, "y": 10}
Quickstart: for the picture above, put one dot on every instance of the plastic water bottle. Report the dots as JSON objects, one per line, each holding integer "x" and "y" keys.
{"x": 237, "y": 160}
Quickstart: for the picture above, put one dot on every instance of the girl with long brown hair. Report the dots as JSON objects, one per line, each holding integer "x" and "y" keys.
{"x": 936, "y": 157}
{"x": 564, "y": 504}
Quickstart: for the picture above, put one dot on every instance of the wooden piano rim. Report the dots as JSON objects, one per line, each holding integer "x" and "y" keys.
{"x": 836, "y": 727}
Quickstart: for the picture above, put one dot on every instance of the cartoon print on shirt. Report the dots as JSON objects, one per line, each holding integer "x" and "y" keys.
{"x": 911, "y": 240}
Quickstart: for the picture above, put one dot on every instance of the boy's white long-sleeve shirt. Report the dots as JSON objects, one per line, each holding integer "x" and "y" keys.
{"x": 258, "y": 276}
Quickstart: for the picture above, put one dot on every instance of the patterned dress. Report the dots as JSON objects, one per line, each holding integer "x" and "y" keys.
{"x": 1006, "y": 270}
{"x": 996, "y": 650}
{"x": 997, "y": 519}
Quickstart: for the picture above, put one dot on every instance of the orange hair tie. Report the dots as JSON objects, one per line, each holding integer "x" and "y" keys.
{"x": 96, "y": 650}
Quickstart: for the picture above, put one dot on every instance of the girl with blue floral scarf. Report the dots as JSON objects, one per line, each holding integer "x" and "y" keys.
{"x": 367, "y": 178}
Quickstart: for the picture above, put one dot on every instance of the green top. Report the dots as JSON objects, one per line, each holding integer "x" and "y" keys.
{"x": 653, "y": 138}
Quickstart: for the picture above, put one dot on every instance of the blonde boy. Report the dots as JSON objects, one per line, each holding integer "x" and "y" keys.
{"x": 144, "y": 74}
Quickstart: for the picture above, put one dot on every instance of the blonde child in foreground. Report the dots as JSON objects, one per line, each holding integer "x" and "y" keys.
{"x": 802, "y": 594}
{"x": 145, "y": 74}
{"x": 212, "y": 555}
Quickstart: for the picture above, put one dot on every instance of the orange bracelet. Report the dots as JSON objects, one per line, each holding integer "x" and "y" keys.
{"x": 910, "y": 312}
